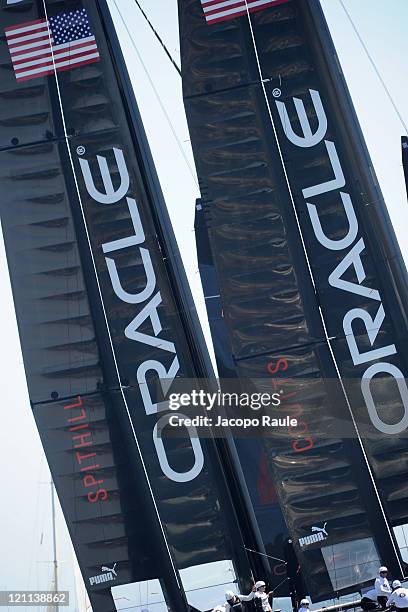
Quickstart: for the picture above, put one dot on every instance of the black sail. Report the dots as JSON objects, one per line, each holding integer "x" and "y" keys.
{"x": 359, "y": 273}
{"x": 267, "y": 529}
{"x": 103, "y": 308}
{"x": 284, "y": 294}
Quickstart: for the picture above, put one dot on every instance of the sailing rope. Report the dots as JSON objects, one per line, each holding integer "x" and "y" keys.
{"x": 265, "y": 555}
{"x": 167, "y": 52}
{"x": 375, "y": 68}
{"x": 159, "y": 100}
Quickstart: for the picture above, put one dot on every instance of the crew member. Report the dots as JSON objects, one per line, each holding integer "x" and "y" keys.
{"x": 304, "y": 605}
{"x": 260, "y": 597}
{"x": 369, "y": 600}
{"x": 382, "y": 587}
{"x": 399, "y": 596}
{"x": 233, "y": 603}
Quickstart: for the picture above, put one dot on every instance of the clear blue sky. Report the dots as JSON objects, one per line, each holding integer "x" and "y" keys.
{"x": 24, "y": 511}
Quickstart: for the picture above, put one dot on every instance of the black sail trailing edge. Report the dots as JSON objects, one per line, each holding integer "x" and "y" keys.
{"x": 103, "y": 307}
{"x": 264, "y": 510}
{"x": 304, "y": 251}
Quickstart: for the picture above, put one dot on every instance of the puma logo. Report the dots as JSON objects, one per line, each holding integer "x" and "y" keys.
{"x": 108, "y": 575}
{"x": 108, "y": 569}
{"x": 321, "y": 530}
{"x": 318, "y": 535}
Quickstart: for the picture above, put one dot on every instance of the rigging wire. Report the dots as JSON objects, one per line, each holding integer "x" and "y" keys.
{"x": 156, "y": 93}
{"x": 157, "y": 35}
{"x": 265, "y": 555}
{"x": 373, "y": 64}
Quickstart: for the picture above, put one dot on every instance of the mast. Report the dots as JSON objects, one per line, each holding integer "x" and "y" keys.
{"x": 54, "y": 540}
{"x": 54, "y": 607}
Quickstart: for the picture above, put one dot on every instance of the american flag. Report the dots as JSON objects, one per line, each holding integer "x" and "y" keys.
{"x": 221, "y": 10}
{"x": 65, "y": 39}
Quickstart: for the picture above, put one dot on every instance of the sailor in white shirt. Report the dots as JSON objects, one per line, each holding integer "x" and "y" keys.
{"x": 399, "y": 596}
{"x": 261, "y": 599}
{"x": 232, "y": 603}
{"x": 369, "y": 600}
{"x": 304, "y": 606}
{"x": 382, "y": 586}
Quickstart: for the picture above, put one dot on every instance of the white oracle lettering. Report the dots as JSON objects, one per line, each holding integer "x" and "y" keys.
{"x": 337, "y": 183}
{"x": 166, "y": 378}
{"x": 387, "y": 368}
{"x": 340, "y": 243}
{"x": 309, "y": 139}
{"x": 350, "y": 265}
{"x": 372, "y": 326}
{"x": 149, "y": 311}
{"x": 122, "y": 294}
{"x": 198, "y": 464}
{"x": 111, "y": 196}
{"x": 116, "y": 245}
{"x": 353, "y": 259}
{"x": 137, "y": 238}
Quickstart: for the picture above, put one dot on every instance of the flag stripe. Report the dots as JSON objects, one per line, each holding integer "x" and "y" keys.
{"x": 56, "y": 57}
{"x": 22, "y": 57}
{"x": 33, "y": 45}
{"x": 218, "y": 4}
{"x": 231, "y": 10}
{"x": 43, "y": 33}
{"x": 39, "y": 49}
{"x": 28, "y": 26}
{"x": 61, "y": 69}
{"x": 222, "y": 10}
{"x": 40, "y": 52}
{"x": 58, "y": 65}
